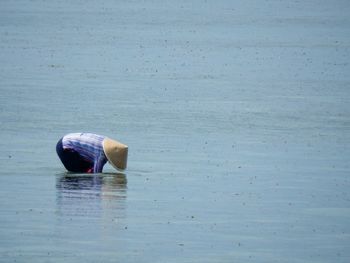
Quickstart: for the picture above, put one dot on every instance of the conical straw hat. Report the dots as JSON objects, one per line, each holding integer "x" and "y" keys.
{"x": 116, "y": 153}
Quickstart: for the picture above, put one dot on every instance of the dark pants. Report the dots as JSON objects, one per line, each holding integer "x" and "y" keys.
{"x": 72, "y": 160}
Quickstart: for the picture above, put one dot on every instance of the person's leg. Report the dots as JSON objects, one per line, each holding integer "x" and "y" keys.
{"x": 71, "y": 160}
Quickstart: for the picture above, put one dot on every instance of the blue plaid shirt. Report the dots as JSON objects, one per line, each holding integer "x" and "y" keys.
{"x": 89, "y": 146}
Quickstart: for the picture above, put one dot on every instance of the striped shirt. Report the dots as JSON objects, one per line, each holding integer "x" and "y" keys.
{"x": 88, "y": 146}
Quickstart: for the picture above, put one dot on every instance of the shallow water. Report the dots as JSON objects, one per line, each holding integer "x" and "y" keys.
{"x": 236, "y": 114}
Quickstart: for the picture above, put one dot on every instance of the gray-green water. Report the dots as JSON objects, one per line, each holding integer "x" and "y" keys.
{"x": 236, "y": 114}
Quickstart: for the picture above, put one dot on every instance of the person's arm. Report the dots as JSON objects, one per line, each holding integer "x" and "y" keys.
{"x": 99, "y": 163}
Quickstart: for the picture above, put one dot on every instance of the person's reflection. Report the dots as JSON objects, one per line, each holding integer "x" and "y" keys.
{"x": 86, "y": 195}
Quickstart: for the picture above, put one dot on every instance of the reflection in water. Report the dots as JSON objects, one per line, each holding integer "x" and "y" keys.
{"x": 91, "y": 195}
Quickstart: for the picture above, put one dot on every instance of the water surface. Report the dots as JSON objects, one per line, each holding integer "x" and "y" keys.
{"x": 236, "y": 114}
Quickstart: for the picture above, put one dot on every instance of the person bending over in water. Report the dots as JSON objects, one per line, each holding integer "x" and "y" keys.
{"x": 88, "y": 152}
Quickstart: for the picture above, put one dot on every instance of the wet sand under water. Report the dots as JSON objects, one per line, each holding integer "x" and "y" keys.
{"x": 236, "y": 114}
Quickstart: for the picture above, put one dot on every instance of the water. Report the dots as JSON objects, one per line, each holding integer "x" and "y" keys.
{"x": 236, "y": 114}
